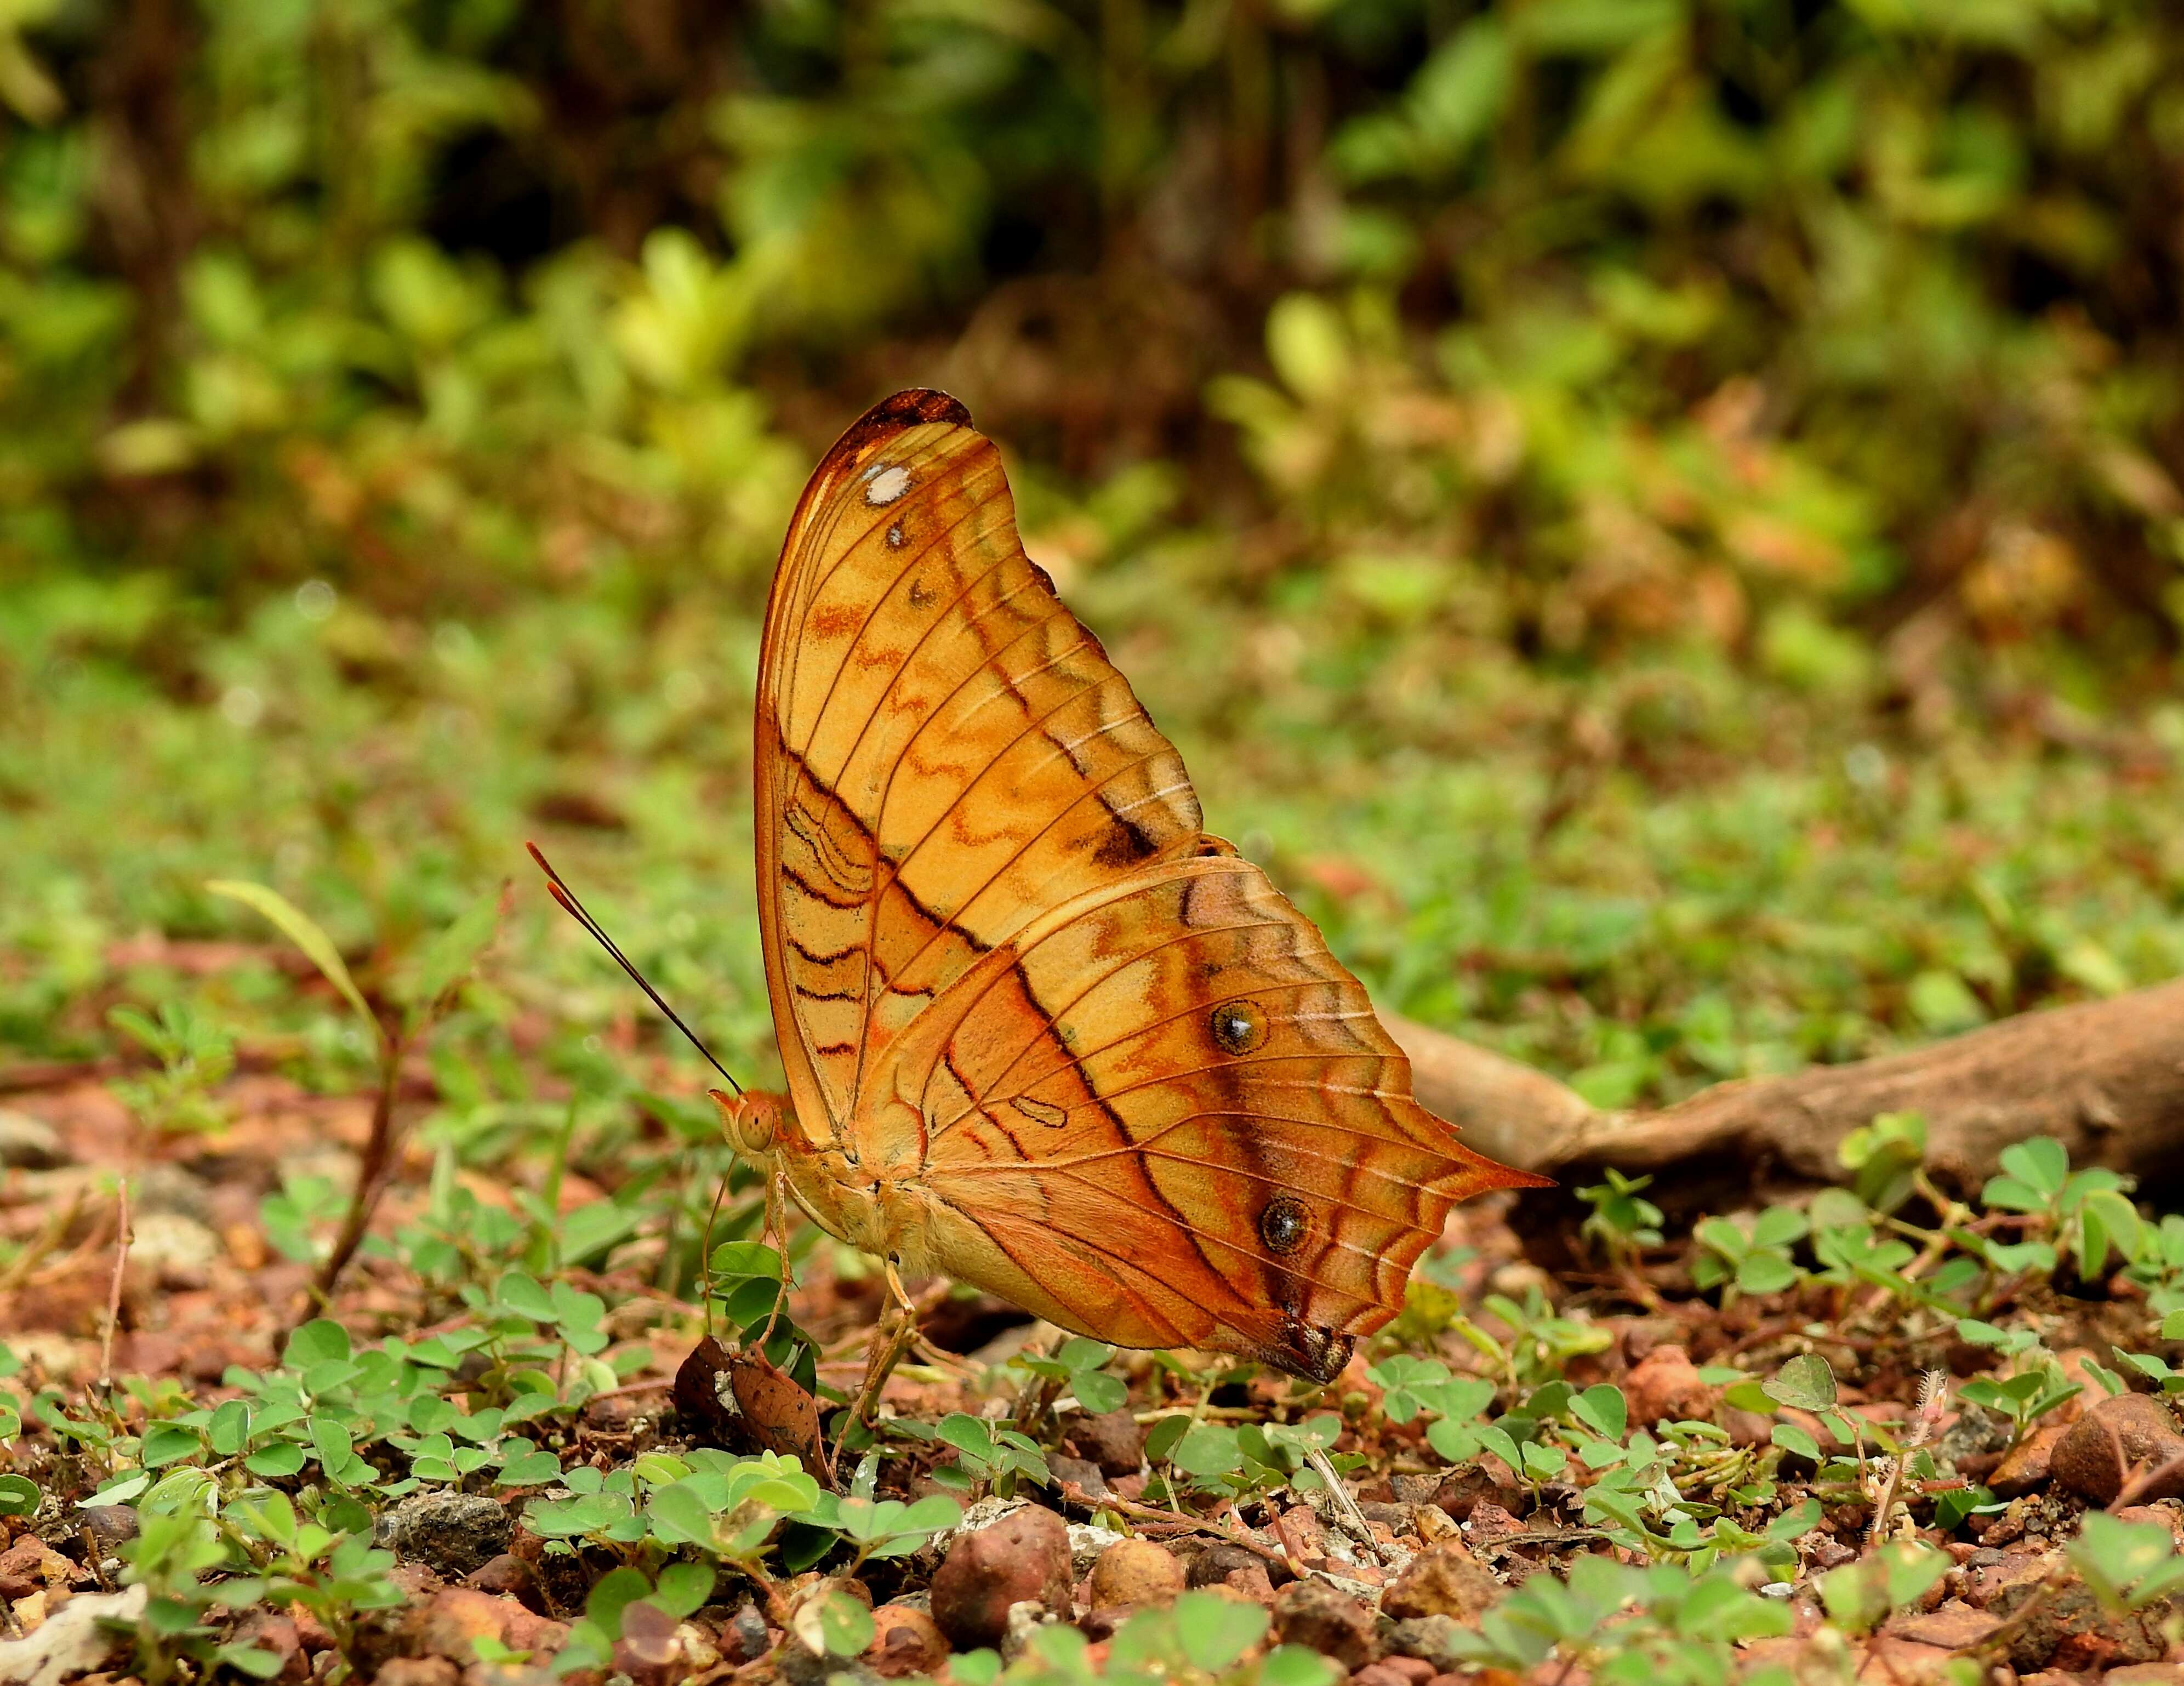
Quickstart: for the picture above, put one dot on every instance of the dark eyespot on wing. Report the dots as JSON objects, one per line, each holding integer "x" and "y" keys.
{"x": 1126, "y": 843}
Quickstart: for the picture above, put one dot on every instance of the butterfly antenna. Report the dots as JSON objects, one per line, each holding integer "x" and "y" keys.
{"x": 558, "y": 888}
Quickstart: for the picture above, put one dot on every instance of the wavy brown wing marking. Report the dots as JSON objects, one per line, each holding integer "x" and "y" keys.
{"x": 1075, "y": 1089}
{"x": 941, "y": 739}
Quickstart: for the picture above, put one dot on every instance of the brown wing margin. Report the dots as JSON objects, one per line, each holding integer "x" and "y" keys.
{"x": 943, "y": 750}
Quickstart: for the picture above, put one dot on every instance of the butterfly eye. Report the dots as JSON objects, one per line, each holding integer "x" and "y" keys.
{"x": 1238, "y": 1026}
{"x": 1284, "y": 1224}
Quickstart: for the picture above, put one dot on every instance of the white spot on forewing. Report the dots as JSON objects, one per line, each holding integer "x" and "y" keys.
{"x": 894, "y": 536}
{"x": 883, "y": 484}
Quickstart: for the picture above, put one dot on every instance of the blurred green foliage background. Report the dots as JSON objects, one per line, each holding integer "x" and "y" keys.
{"x": 1659, "y": 520}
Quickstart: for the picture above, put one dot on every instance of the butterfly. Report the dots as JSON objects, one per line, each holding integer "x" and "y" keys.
{"x": 1042, "y": 1033}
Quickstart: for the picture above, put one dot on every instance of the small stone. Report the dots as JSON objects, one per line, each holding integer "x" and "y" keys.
{"x": 1986, "y": 1582}
{"x": 1473, "y": 1485}
{"x": 509, "y": 1574}
{"x": 1026, "y": 1618}
{"x": 1136, "y": 1571}
{"x": 266, "y": 1630}
{"x": 1666, "y": 1383}
{"x": 743, "y": 1637}
{"x": 1442, "y": 1581}
{"x": 2084, "y": 1458}
{"x": 1024, "y": 1557}
{"x": 73, "y": 1639}
{"x": 2026, "y": 1469}
{"x": 1305, "y": 1534}
{"x": 1491, "y": 1522}
{"x": 1314, "y": 1615}
{"x": 1087, "y": 1540}
{"x": 29, "y": 1144}
{"x": 454, "y": 1533}
{"x": 1083, "y": 1472}
{"x": 30, "y": 1559}
{"x": 161, "y": 1185}
{"x": 1432, "y": 1639}
{"x": 1101, "y": 1625}
{"x": 1383, "y": 1674}
{"x": 1250, "y": 1583}
{"x": 1215, "y": 1560}
{"x": 905, "y": 1641}
{"x": 456, "y": 1615}
{"x": 172, "y": 1251}
{"x": 310, "y": 1630}
{"x": 2061, "y": 1624}
{"x": 1893, "y": 1662}
{"x": 109, "y": 1524}
{"x": 1113, "y": 1440}
{"x": 1952, "y": 1625}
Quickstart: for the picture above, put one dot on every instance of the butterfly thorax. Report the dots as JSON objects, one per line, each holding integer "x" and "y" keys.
{"x": 861, "y": 1187}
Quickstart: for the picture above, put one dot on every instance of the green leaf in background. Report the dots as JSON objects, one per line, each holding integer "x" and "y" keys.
{"x": 684, "y": 1587}
{"x": 454, "y": 954}
{"x": 165, "y": 1442}
{"x": 300, "y": 929}
{"x": 320, "y": 1341}
{"x": 1214, "y": 1633}
{"x": 612, "y": 1593}
{"x": 1601, "y": 1409}
{"x": 833, "y": 1623}
{"x": 282, "y": 1459}
{"x": 1805, "y": 1383}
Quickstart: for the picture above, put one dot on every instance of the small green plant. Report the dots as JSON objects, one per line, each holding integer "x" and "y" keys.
{"x": 1233, "y": 1460}
{"x": 2033, "y": 1386}
{"x": 195, "y": 1058}
{"x": 1622, "y": 1222}
{"x": 1752, "y": 1259}
{"x": 1886, "y": 1157}
{"x": 2127, "y": 1566}
{"x": 1421, "y": 1385}
{"x": 681, "y": 1589}
{"x": 336, "y": 1577}
{"x": 1664, "y": 1623}
{"x": 1538, "y": 1343}
{"x": 987, "y": 1455}
{"x": 2088, "y": 1211}
{"x": 1859, "y": 1596}
{"x": 1079, "y": 1368}
{"x": 1198, "y": 1638}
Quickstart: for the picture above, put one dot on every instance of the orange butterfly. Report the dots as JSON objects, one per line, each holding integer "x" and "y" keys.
{"x": 1043, "y": 1035}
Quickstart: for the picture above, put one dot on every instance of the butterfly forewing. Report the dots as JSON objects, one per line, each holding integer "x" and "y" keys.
{"x": 943, "y": 750}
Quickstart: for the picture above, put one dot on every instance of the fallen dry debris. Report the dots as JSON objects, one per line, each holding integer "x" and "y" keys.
{"x": 2104, "y": 1078}
{"x": 1387, "y": 1588}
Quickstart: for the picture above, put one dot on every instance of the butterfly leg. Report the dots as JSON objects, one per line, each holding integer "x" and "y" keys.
{"x": 776, "y": 1230}
{"x": 891, "y": 1339}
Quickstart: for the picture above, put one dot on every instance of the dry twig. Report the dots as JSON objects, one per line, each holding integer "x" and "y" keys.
{"x": 121, "y": 1239}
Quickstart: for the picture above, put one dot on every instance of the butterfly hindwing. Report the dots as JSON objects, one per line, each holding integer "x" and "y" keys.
{"x": 1175, "y": 1083}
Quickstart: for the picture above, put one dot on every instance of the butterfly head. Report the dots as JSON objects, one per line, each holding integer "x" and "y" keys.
{"x": 752, "y": 1120}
